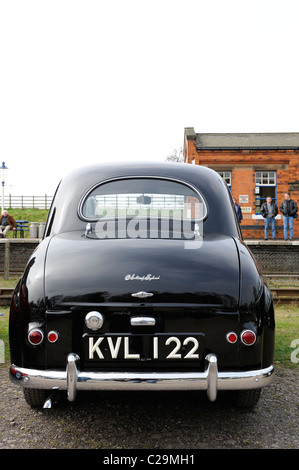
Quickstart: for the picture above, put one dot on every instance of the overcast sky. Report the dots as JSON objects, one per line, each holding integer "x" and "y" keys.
{"x": 95, "y": 80}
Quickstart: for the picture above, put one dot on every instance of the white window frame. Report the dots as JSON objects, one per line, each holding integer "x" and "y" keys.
{"x": 265, "y": 180}
{"x": 226, "y": 175}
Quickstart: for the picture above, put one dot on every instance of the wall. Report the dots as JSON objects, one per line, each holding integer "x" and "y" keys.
{"x": 276, "y": 257}
{"x": 20, "y": 251}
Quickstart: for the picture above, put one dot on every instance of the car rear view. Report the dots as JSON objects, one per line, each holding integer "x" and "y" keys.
{"x": 143, "y": 282}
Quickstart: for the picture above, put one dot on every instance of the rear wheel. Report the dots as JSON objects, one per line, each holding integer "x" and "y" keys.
{"x": 246, "y": 398}
{"x": 35, "y": 397}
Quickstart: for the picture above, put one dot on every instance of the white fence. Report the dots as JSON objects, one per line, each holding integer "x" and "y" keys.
{"x": 29, "y": 202}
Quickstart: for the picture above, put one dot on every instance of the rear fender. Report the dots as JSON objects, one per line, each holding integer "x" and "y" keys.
{"x": 28, "y": 307}
{"x": 256, "y": 311}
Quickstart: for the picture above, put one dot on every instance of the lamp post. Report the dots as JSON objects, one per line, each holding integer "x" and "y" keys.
{"x": 3, "y": 171}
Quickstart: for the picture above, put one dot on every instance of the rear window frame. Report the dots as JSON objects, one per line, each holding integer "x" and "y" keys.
{"x": 148, "y": 177}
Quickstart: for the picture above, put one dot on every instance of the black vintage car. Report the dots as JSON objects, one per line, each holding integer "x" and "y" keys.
{"x": 142, "y": 281}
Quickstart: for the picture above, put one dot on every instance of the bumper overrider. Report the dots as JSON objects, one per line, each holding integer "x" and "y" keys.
{"x": 73, "y": 380}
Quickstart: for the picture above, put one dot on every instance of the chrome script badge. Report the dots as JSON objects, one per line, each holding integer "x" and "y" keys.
{"x": 147, "y": 277}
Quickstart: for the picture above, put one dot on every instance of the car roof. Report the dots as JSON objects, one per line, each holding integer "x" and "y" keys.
{"x": 79, "y": 181}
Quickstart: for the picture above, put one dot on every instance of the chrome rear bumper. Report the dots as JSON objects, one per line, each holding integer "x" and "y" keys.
{"x": 72, "y": 379}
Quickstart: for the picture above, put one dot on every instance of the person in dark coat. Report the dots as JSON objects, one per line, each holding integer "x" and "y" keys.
{"x": 238, "y": 210}
{"x": 269, "y": 211}
{"x": 289, "y": 210}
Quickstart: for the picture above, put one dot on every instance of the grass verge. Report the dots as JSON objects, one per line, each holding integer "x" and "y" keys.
{"x": 4, "y": 317}
{"x": 287, "y": 335}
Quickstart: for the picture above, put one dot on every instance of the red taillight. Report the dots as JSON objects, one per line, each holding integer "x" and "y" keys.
{"x": 231, "y": 337}
{"x": 248, "y": 337}
{"x": 52, "y": 336}
{"x": 35, "y": 337}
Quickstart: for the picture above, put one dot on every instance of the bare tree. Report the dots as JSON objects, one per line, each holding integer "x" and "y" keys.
{"x": 176, "y": 156}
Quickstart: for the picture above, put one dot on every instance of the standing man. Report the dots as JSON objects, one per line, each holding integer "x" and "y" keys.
{"x": 238, "y": 210}
{"x": 289, "y": 209}
{"x": 7, "y": 222}
{"x": 269, "y": 211}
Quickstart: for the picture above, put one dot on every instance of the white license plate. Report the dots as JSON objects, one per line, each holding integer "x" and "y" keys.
{"x": 140, "y": 347}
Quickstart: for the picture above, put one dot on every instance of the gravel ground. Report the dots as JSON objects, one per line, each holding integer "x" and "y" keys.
{"x": 152, "y": 420}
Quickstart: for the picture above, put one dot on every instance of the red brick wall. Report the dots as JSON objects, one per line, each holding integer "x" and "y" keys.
{"x": 243, "y": 164}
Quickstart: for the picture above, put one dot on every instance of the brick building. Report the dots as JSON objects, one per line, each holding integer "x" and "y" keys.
{"x": 254, "y": 166}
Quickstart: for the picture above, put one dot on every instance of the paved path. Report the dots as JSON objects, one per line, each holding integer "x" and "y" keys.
{"x": 152, "y": 420}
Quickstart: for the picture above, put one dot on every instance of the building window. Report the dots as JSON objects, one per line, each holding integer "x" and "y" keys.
{"x": 227, "y": 177}
{"x": 265, "y": 186}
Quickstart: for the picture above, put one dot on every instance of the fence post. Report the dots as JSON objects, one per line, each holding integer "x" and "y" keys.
{"x": 6, "y": 260}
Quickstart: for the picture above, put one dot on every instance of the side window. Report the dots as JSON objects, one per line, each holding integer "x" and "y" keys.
{"x": 50, "y": 223}
{"x": 51, "y": 215}
{"x": 265, "y": 186}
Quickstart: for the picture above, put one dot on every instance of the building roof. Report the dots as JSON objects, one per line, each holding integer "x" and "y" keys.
{"x": 285, "y": 140}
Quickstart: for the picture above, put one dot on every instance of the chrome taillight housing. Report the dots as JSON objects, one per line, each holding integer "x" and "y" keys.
{"x": 232, "y": 337}
{"x": 53, "y": 336}
{"x": 248, "y": 337}
{"x": 35, "y": 336}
